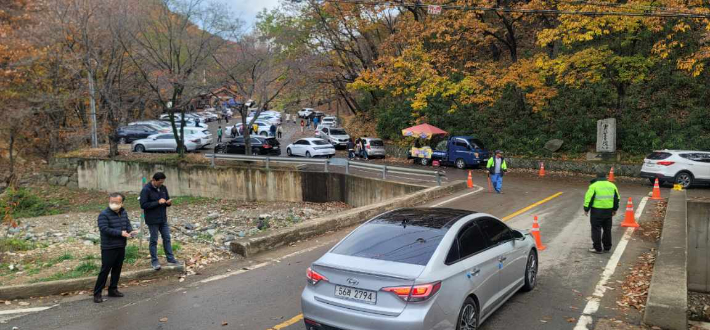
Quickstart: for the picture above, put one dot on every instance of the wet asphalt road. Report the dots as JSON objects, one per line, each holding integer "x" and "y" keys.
{"x": 268, "y": 295}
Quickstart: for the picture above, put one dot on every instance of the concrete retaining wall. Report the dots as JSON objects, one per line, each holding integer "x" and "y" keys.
{"x": 668, "y": 294}
{"x": 244, "y": 184}
{"x": 698, "y": 252}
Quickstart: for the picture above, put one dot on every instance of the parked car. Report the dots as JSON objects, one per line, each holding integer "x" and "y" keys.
{"x": 188, "y": 122}
{"x": 336, "y": 136}
{"x": 417, "y": 269}
{"x": 263, "y": 128}
{"x": 160, "y": 124}
{"x": 271, "y": 119}
{"x": 374, "y": 147}
{"x": 204, "y": 134}
{"x": 330, "y": 120}
{"x": 311, "y": 147}
{"x": 130, "y": 133}
{"x": 677, "y": 166}
{"x": 259, "y": 146}
{"x": 164, "y": 142}
{"x": 305, "y": 112}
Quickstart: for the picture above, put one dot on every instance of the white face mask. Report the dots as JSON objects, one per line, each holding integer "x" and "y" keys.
{"x": 115, "y": 207}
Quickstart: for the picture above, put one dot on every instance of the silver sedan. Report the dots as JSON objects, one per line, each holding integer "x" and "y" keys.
{"x": 419, "y": 268}
{"x": 165, "y": 142}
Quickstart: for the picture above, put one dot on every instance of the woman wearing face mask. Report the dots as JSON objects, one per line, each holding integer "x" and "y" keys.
{"x": 115, "y": 228}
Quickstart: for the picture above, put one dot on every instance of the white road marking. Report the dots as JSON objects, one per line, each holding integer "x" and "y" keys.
{"x": 475, "y": 190}
{"x": 263, "y": 264}
{"x": 26, "y": 310}
{"x": 593, "y": 304}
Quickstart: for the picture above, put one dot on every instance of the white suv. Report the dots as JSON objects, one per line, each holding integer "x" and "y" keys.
{"x": 677, "y": 166}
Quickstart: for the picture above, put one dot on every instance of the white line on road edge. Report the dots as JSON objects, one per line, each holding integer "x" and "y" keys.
{"x": 478, "y": 189}
{"x": 26, "y": 310}
{"x": 593, "y": 304}
{"x": 269, "y": 262}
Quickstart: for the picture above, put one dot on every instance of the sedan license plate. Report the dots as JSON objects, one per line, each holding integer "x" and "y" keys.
{"x": 366, "y": 296}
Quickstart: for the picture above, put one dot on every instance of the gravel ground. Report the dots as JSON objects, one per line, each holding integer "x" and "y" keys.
{"x": 67, "y": 245}
{"x": 699, "y": 306}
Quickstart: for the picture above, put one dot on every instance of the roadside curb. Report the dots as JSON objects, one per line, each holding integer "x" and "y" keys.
{"x": 668, "y": 293}
{"x": 77, "y": 284}
{"x": 248, "y": 247}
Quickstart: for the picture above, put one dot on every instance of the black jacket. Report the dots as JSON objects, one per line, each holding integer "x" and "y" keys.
{"x": 155, "y": 213}
{"x": 111, "y": 224}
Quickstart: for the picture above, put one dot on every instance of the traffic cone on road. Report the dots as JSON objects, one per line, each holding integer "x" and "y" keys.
{"x": 656, "y": 191}
{"x": 470, "y": 180}
{"x": 536, "y": 234}
{"x": 542, "y": 170}
{"x": 629, "y": 218}
{"x": 611, "y": 175}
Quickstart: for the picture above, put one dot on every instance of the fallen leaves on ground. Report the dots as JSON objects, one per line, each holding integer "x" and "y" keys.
{"x": 637, "y": 282}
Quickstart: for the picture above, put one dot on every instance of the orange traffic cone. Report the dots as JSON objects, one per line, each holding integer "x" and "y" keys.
{"x": 629, "y": 219}
{"x": 611, "y": 175}
{"x": 542, "y": 169}
{"x": 656, "y": 191}
{"x": 536, "y": 233}
{"x": 470, "y": 180}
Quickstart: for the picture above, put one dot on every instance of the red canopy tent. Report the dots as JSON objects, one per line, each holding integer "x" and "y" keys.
{"x": 424, "y": 131}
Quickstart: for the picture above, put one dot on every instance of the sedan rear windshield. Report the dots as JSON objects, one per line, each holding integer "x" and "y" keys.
{"x": 658, "y": 155}
{"x": 377, "y": 143}
{"x": 337, "y": 132}
{"x": 319, "y": 142}
{"x": 392, "y": 242}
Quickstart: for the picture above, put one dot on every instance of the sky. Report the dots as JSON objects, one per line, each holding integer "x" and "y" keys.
{"x": 247, "y": 9}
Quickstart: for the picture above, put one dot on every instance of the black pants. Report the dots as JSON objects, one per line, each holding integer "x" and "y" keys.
{"x": 279, "y": 134}
{"x": 111, "y": 261}
{"x": 601, "y": 232}
{"x": 219, "y": 138}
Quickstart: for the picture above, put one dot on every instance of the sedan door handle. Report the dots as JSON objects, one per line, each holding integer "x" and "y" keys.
{"x": 475, "y": 272}
{"x": 503, "y": 259}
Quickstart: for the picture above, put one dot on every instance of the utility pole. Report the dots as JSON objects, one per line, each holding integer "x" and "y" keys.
{"x": 94, "y": 138}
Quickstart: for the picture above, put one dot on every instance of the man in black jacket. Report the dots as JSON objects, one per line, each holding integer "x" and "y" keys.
{"x": 115, "y": 228}
{"x": 155, "y": 201}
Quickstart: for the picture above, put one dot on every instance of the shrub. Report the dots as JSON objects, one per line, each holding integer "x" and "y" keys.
{"x": 24, "y": 204}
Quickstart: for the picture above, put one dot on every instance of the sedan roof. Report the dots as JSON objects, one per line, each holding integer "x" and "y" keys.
{"x": 424, "y": 217}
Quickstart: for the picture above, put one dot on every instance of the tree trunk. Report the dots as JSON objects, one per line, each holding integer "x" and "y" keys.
{"x": 11, "y": 149}
{"x": 246, "y": 128}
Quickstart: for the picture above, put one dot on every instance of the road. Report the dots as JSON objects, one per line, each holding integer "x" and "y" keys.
{"x": 264, "y": 293}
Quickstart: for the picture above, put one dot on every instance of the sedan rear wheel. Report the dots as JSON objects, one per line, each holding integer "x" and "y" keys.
{"x": 139, "y": 148}
{"x": 468, "y": 316}
{"x": 531, "y": 272}
{"x": 288, "y": 152}
{"x": 308, "y": 154}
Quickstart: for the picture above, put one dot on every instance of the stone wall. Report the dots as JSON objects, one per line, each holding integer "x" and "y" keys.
{"x": 61, "y": 172}
{"x": 550, "y": 164}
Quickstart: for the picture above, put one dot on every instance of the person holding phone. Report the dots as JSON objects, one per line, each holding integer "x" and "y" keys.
{"x": 155, "y": 201}
{"x": 115, "y": 228}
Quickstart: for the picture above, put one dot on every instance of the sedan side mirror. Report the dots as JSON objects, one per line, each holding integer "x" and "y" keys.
{"x": 518, "y": 235}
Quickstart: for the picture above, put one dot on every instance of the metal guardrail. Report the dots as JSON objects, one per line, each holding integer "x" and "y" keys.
{"x": 384, "y": 169}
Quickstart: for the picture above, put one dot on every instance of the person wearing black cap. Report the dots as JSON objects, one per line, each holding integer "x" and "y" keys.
{"x": 496, "y": 168}
{"x": 602, "y": 199}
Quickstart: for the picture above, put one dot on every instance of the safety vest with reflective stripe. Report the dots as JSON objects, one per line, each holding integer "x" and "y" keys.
{"x": 601, "y": 195}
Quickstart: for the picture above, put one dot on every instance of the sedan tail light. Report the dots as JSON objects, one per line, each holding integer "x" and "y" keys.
{"x": 368, "y": 147}
{"x": 415, "y": 293}
{"x": 267, "y": 146}
{"x": 665, "y": 163}
{"x": 314, "y": 277}
{"x": 195, "y": 141}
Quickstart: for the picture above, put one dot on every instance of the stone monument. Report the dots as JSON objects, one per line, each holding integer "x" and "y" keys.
{"x": 606, "y": 135}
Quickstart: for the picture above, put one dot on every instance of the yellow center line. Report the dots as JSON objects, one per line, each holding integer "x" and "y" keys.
{"x": 299, "y": 317}
{"x": 519, "y": 212}
{"x": 290, "y": 322}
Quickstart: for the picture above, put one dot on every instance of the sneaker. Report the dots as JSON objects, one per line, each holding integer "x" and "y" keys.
{"x": 174, "y": 262}
{"x": 115, "y": 293}
{"x": 595, "y": 251}
{"x": 98, "y": 299}
{"x": 607, "y": 251}
{"x": 156, "y": 265}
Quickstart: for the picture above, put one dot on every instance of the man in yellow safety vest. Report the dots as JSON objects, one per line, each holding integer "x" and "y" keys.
{"x": 602, "y": 198}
